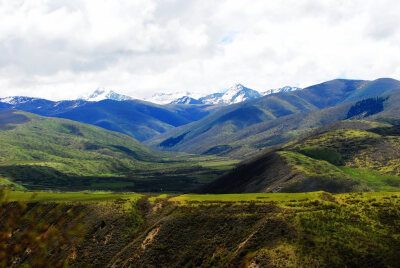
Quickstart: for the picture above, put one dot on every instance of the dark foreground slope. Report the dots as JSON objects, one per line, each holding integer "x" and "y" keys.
{"x": 264, "y": 230}
{"x": 239, "y": 130}
{"x": 344, "y": 157}
{"x": 50, "y": 153}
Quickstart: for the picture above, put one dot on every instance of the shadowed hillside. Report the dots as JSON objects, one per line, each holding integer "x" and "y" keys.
{"x": 344, "y": 157}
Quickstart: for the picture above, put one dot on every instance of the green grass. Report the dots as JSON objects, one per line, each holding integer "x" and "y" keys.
{"x": 373, "y": 179}
{"x": 7, "y": 183}
{"x": 327, "y": 154}
{"x": 311, "y": 166}
{"x": 41, "y": 196}
{"x": 260, "y": 197}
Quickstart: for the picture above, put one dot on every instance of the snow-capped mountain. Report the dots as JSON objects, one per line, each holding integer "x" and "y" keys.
{"x": 186, "y": 100}
{"x": 212, "y": 98}
{"x": 105, "y": 94}
{"x": 173, "y": 97}
{"x": 279, "y": 90}
{"x": 234, "y": 94}
{"x": 17, "y": 100}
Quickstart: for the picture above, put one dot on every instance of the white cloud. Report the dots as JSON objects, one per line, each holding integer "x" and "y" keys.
{"x": 61, "y": 49}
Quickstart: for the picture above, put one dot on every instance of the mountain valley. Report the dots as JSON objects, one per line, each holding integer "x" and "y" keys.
{"x": 268, "y": 181}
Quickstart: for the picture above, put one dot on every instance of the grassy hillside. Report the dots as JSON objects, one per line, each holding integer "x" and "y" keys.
{"x": 238, "y": 129}
{"x": 48, "y": 153}
{"x": 244, "y": 230}
{"x": 343, "y": 157}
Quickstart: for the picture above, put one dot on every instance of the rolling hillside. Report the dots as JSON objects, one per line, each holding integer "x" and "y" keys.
{"x": 240, "y": 130}
{"x": 49, "y": 153}
{"x": 343, "y": 157}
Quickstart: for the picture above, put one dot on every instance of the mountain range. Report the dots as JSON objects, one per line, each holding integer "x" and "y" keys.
{"x": 139, "y": 119}
{"x": 136, "y": 118}
{"x": 237, "y": 131}
{"x": 272, "y": 181}
{"x": 235, "y": 94}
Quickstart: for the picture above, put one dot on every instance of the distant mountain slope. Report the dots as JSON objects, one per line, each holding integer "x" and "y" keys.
{"x": 282, "y": 115}
{"x": 139, "y": 119}
{"x": 251, "y": 140}
{"x": 51, "y": 153}
{"x": 382, "y": 86}
{"x": 343, "y": 157}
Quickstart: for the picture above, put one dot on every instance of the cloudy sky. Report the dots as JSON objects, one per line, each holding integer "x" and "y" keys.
{"x": 61, "y": 49}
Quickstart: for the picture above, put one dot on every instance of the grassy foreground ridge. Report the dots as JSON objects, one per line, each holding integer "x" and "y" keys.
{"x": 236, "y": 230}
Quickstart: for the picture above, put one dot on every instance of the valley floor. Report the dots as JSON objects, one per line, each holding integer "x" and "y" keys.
{"x": 100, "y": 229}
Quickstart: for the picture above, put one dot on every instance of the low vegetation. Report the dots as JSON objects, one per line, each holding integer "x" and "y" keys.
{"x": 237, "y": 230}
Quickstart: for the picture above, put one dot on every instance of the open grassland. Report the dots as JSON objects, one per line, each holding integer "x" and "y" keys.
{"x": 40, "y": 196}
{"x": 255, "y": 197}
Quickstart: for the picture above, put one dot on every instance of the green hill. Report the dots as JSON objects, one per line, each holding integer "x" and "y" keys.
{"x": 343, "y": 157}
{"x": 238, "y": 129}
{"x": 49, "y": 153}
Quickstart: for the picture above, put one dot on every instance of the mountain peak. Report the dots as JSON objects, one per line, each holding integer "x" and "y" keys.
{"x": 105, "y": 94}
{"x": 238, "y": 93}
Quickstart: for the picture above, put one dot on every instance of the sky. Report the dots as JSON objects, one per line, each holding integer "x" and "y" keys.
{"x": 63, "y": 49}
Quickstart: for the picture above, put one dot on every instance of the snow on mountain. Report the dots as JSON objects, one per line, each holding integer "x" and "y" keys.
{"x": 167, "y": 98}
{"x": 105, "y": 94}
{"x": 186, "y": 100}
{"x": 279, "y": 90}
{"x": 214, "y": 98}
{"x": 17, "y": 100}
{"x": 234, "y": 94}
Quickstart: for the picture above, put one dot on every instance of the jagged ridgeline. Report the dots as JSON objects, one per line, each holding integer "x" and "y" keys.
{"x": 49, "y": 153}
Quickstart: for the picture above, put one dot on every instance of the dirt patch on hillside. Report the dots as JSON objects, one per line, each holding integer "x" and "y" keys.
{"x": 150, "y": 237}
